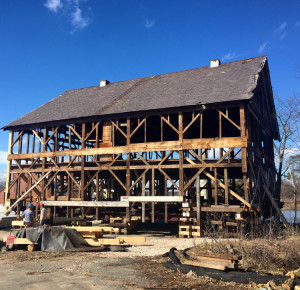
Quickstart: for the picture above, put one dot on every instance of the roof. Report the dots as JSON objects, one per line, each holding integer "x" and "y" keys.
{"x": 231, "y": 81}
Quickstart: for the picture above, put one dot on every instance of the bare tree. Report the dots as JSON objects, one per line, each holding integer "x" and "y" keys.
{"x": 286, "y": 149}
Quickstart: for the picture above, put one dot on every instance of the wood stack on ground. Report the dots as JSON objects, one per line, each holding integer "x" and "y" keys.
{"x": 213, "y": 260}
{"x": 94, "y": 236}
{"x": 31, "y": 246}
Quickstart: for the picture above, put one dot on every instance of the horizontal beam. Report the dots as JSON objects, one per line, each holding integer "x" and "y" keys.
{"x": 86, "y": 203}
{"x": 206, "y": 143}
{"x": 152, "y": 198}
{"x": 132, "y": 167}
{"x": 221, "y": 208}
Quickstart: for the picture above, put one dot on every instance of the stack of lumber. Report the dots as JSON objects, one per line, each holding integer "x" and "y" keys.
{"x": 20, "y": 241}
{"x": 95, "y": 236}
{"x": 214, "y": 261}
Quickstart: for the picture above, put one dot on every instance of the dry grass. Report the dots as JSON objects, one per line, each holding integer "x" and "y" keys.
{"x": 269, "y": 254}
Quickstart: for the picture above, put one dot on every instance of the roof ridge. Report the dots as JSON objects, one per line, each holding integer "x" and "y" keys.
{"x": 122, "y": 95}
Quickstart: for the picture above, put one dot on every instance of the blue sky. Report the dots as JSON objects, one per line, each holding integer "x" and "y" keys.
{"x": 49, "y": 46}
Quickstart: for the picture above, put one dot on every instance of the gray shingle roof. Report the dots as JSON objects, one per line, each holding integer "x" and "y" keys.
{"x": 229, "y": 82}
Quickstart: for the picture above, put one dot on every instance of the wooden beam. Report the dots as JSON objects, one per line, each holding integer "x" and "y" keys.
{"x": 206, "y": 143}
{"x": 155, "y": 198}
{"x": 77, "y": 203}
{"x": 26, "y": 193}
{"x": 8, "y": 170}
{"x": 230, "y": 191}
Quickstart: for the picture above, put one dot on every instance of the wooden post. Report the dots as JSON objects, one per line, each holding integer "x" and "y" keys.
{"x": 244, "y": 152}
{"x": 82, "y": 174}
{"x": 181, "y": 177}
{"x": 143, "y": 194}
{"x": 226, "y": 186}
{"x": 128, "y": 177}
{"x": 97, "y": 195}
{"x": 10, "y": 140}
{"x": 198, "y": 201}
{"x": 216, "y": 185}
{"x": 166, "y": 193}
{"x": 152, "y": 193}
{"x": 43, "y": 164}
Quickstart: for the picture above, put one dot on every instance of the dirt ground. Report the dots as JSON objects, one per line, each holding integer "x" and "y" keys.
{"x": 137, "y": 268}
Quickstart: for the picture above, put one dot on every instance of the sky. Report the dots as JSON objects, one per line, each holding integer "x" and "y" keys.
{"x": 50, "y": 46}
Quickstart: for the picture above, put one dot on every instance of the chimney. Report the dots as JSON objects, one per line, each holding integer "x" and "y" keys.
{"x": 215, "y": 63}
{"x": 103, "y": 83}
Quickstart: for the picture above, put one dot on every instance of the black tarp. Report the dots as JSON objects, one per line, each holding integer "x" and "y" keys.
{"x": 229, "y": 276}
{"x": 57, "y": 239}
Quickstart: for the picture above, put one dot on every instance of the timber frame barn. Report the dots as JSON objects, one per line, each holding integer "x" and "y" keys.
{"x": 193, "y": 146}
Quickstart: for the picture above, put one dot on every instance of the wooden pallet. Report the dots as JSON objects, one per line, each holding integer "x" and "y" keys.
{"x": 190, "y": 231}
{"x": 185, "y": 231}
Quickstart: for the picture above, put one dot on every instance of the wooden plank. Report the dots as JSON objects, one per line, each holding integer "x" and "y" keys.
{"x": 205, "y": 265}
{"x": 17, "y": 223}
{"x": 205, "y": 143}
{"x": 218, "y": 255}
{"x": 221, "y": 262}
{"x": 20, "y": 241}
{"x": 104, "y": 242}
{"x": 162, "y": 198}
{"x": 133, "y": 239}
{"x": 92, "y": 229}
{"x": 86, "y": 203}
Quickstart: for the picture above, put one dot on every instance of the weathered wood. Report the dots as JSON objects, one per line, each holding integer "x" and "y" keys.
{"x": 204, "y": 265}
{"x": 230, "y": 191}
{"x": 207, "y": 143}
{"x": 86, "y": 203}
{"x": 104, "y": 242}
{"x": 26, "y": 193}
{"x": 11, "y": 136}
{"x": 155, "y": 198}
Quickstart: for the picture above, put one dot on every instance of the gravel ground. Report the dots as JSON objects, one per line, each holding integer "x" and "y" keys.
{"x": 139, "y": 267}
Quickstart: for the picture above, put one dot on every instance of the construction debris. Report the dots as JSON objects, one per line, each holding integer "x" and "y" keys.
{"x": 70, "y": 238}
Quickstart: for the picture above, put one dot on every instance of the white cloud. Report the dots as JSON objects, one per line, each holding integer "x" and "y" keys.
{"x": 262, "y": 47}
{"x": 281, "y": 30}
{"x": 291, "y": 152}
{"x": 78, "y": 21}
{"x": 3, "y": 157}
{"x": 72, "y": 12}
{"x": 53, "y": 5}
{"x": 229, "y": 56}
{"x": 149, "y": 22}
{"x": 3, "y": 175}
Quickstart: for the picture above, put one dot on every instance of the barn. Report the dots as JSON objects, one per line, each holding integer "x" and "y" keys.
{"x": 193, "y": 147}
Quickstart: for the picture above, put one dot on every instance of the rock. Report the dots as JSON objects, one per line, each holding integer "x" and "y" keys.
{"x": 191, "y": 274}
